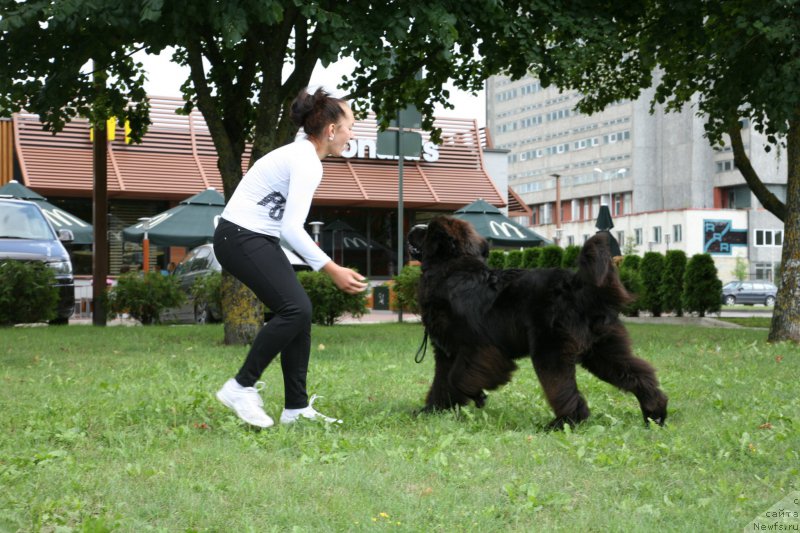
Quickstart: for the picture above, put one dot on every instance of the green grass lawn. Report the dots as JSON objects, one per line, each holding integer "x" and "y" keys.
{"x": 118, "y": 429}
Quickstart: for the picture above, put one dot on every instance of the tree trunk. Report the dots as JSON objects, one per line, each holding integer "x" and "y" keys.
{"x": 786, "y": 316}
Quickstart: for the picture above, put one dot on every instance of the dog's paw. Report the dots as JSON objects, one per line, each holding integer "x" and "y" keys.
{"x": 480, "y": 400}
{"x": 657, "y": 411}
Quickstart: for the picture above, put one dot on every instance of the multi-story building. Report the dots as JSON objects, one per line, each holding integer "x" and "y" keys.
{"x": 665, "y": 185}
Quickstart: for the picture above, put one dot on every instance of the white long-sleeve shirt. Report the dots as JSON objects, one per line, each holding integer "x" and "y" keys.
{"x": 274, "y": 198}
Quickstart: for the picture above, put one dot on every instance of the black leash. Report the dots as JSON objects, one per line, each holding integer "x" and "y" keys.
{"x": 423, "y": 348}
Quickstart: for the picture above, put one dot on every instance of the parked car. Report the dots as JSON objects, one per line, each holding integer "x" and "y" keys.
{"x": 26, "y": 235}
{"x": 200, "y": 262}
{"x": 749, "y": 293}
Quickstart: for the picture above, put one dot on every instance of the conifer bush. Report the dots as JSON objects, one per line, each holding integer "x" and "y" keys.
{"x": 530, "y": 257}
{"x": 702, "y": 288}
{"x": 514, "y": 259}
{"x": 497, "y": 259}
{"x": 672, "y": 281}
{"x": 551, "y": 257}
{"x": 650, "y": 270}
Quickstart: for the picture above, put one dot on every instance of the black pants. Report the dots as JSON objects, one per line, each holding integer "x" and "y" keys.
{"x": 258, "y": 261}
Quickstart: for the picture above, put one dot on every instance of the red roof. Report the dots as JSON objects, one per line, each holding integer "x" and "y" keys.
{"x": 177, "y": 158}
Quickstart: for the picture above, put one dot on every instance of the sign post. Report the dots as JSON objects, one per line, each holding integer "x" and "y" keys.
{"x": 401, "y": 144}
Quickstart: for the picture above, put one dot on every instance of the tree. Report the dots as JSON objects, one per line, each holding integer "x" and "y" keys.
{"x": 671, "y": 290}
{"x": 248, "y": 59}
{"x": 650, "y": 271}
{"x": 740, "y": 271}
{"x": 733, "y": 60}
{"x": 702, "y": 288}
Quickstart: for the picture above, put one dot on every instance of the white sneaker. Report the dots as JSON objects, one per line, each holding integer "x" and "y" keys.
{"x": 245, "y": 402}
{"x": 289, "y": 416}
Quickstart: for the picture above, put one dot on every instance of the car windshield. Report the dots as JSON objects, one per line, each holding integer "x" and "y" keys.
{"x": 23, "y": 221}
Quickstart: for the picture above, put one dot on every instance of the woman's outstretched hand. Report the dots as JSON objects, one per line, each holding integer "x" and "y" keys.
{"x": 346, "y": 279}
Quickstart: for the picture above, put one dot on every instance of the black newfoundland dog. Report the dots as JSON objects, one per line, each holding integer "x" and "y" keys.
{"x": 479, "y": 320}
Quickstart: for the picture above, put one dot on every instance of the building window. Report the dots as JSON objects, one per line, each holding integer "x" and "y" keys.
{"x": 724, "y": 166}
{"x": 585, "y": 237}
{"x": 657, "y": 234}
{"x": 547, "y": 214}
{"x": 765, "y": 271}
{"x": 677, "y": 233}
{"x": 571, "y": 240}
{"x": 617, "y": 203}
{"x": 587, "y": 209}
{"x": 621, "y": 238}
{"x": 769, "y": 237}
{"x": 637, "y": 234}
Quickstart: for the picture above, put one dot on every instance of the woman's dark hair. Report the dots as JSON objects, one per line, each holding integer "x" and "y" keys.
{"x": 313, "y": 112}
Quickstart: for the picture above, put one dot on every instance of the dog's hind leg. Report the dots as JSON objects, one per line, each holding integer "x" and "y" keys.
{"x": 611, "y": 360}
{"x": 558, "y": 381}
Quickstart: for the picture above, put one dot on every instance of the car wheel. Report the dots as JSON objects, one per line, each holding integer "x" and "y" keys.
{"x": 201, "y": 314}
{"x": 770, "y": 301}
{"x": 730, "y": 300}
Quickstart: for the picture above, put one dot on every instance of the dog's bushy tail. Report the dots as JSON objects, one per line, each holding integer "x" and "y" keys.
{"x": 597, "y": 270}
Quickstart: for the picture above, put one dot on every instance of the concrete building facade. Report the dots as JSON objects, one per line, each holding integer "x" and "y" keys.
{"x": 666, "y": 186}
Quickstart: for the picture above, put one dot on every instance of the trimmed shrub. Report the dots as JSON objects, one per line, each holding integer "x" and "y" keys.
{"x": 570, "y": 257}
{"x": 514, "y": 259}
{"x": 406, "y": 285}
{"x": 27, "y": 293}
{"x": 328, "y": 303}
{"x": 629, "y": 275}
{"x": 551, "y": 256}
{"x": 701, "y": 286}
{"x": 530, "y": 257}
{"x": 497, "y": 259}
{"x": 632, "y": 262}
{"x": 650, "y": 271}
{"x": 145, "y": 295}
{"x": 672, "y": 281}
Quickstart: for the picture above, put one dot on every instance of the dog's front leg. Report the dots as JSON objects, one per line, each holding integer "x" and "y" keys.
{"x": 441, "y": 394}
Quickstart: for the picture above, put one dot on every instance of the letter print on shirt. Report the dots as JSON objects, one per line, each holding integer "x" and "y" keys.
{"x": 276, "y": 203}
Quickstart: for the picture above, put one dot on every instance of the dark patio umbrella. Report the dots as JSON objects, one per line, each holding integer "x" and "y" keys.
{"x": 604, "y": 225}
{"x": 60, "y": 219}
{"x": 189, "y": 224}
{"x": 497, "y": 228}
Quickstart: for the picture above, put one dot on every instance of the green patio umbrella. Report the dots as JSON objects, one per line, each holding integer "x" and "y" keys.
{"x": 497, "y": 228}
{"x": 60, "y": 219}
{"x": 189, "y": 224}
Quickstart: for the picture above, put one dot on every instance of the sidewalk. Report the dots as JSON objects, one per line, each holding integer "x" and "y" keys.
{"x": 371, "y": 317}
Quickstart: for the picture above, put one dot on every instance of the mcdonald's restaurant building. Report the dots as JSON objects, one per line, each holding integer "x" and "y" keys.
{"x": 177, "y": 159}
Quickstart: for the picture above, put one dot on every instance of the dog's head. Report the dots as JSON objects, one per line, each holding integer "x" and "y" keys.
{"x": 445, "y": 238}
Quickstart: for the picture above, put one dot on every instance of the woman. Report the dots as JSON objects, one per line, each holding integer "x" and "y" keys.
{"x": 272, "y": 202}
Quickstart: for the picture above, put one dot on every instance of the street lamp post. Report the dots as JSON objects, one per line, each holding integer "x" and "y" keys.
{"x": 558, "y": 208}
